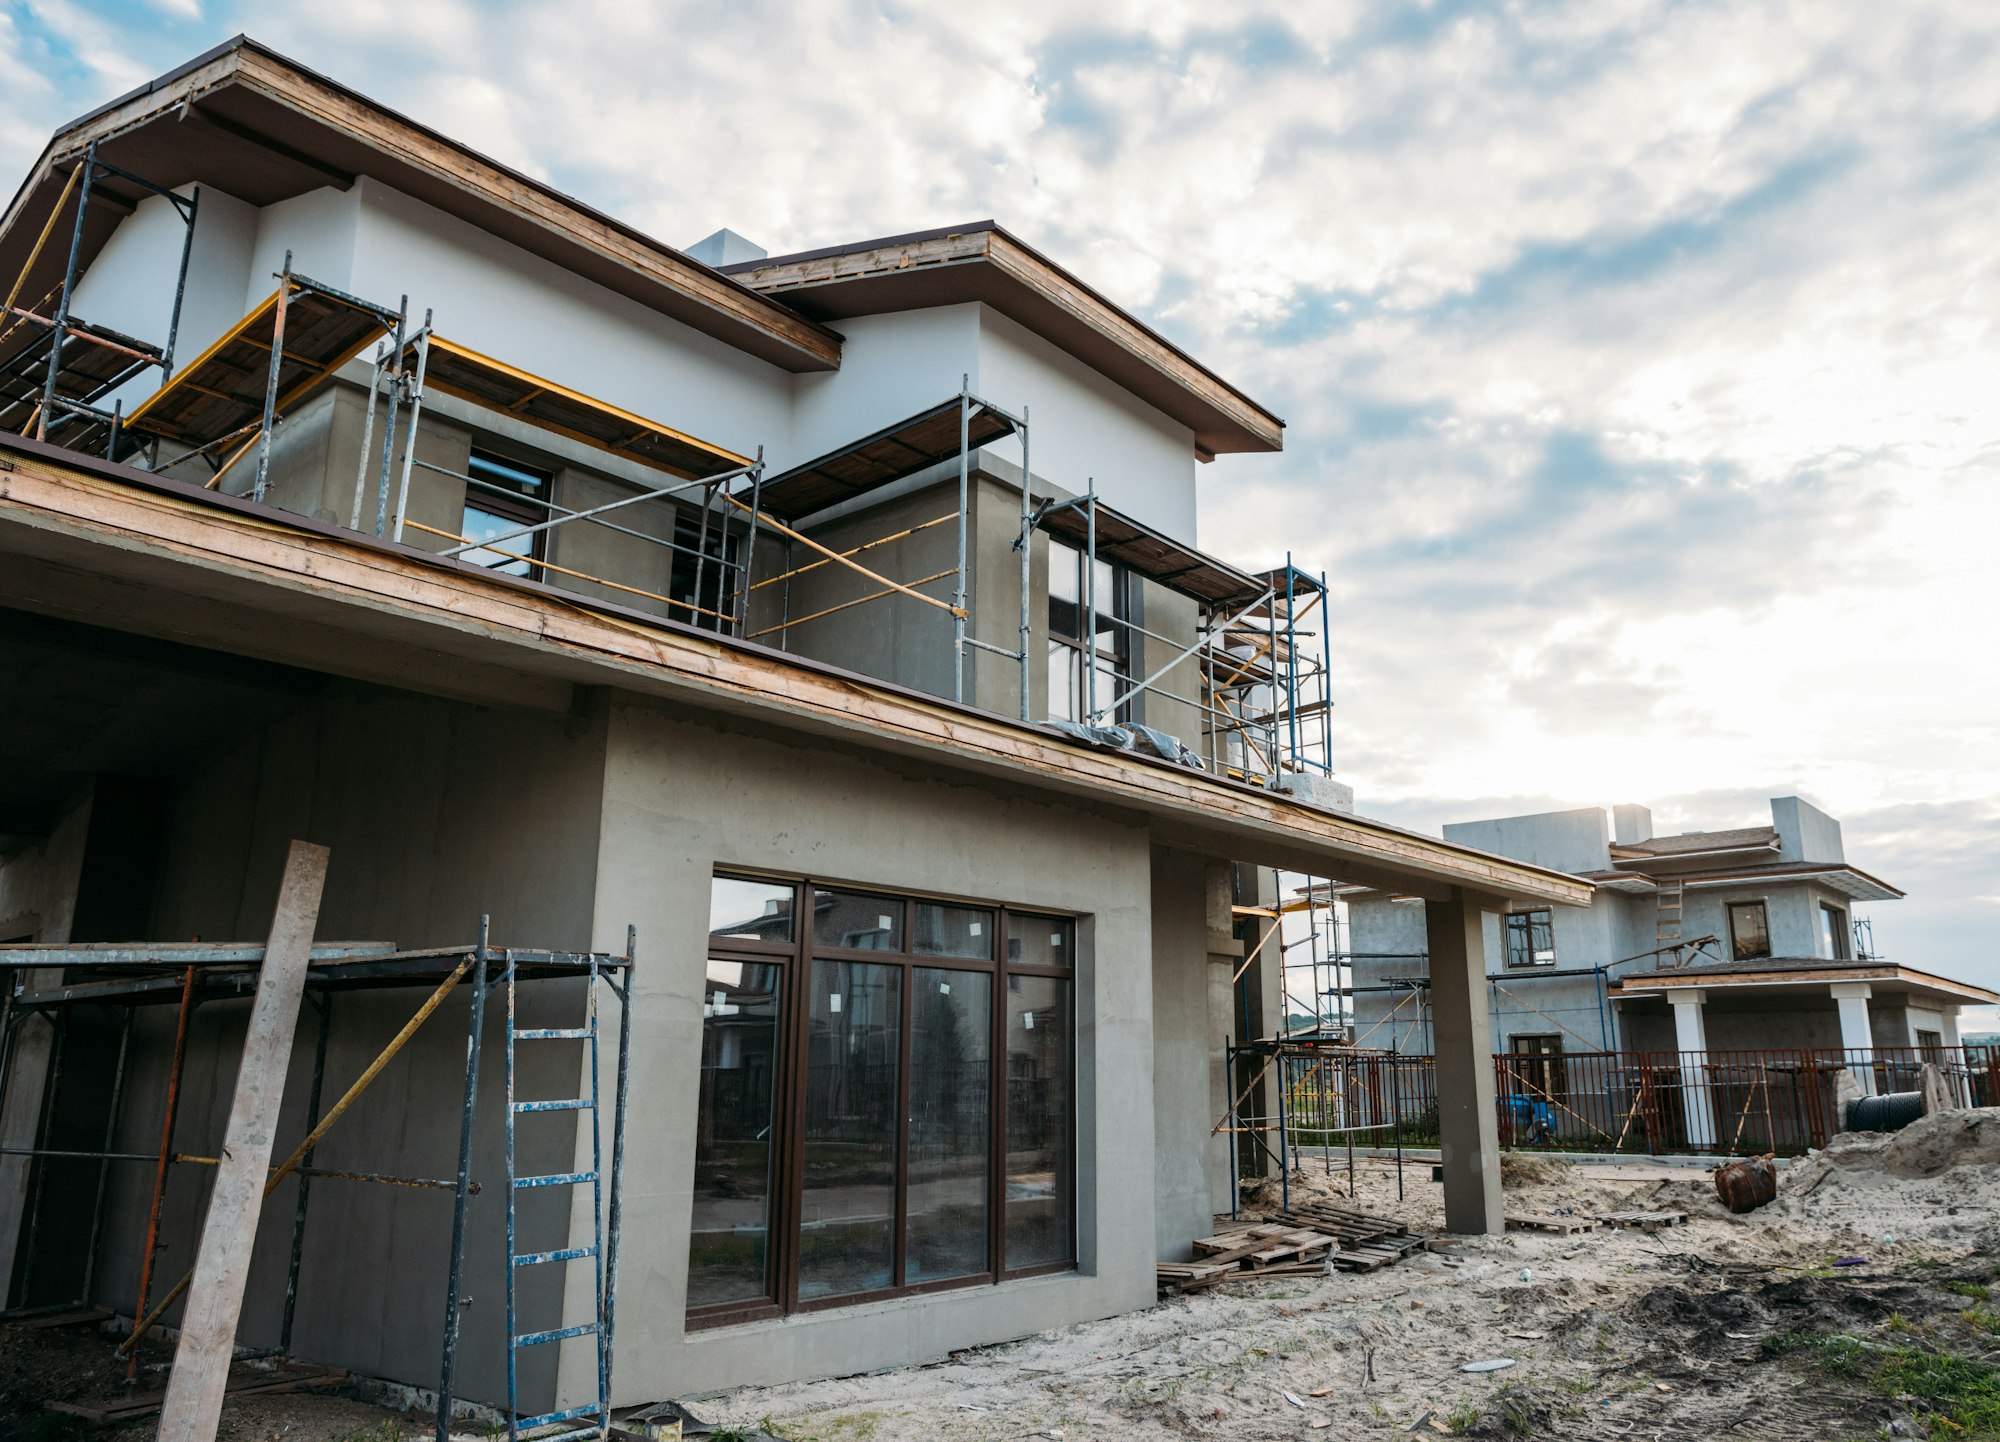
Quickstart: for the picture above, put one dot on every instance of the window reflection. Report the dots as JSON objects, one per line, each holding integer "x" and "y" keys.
{"x": 1039, "y": 1182}
{"x": 953, "y": 931}
{"x": 847, "y": 1239}
{"x": 729, "y": 1247}
{"x": 857, "y": 921}
{"x": 951, "y": 1113}
{"x": 751, "y": 909}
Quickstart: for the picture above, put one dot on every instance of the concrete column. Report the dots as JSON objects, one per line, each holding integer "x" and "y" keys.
{"x": 1857, "y": 1036}
{"x": 1691, "y": 1041}
{"x": 1468, "y": 1129}
{"x": 1954, "y": 1058}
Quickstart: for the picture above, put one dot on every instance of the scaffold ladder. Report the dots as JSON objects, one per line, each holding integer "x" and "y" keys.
{"x": 593, "y": 1418}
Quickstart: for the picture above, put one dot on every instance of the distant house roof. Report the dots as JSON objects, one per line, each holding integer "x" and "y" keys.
{"x": 1793, "y": 970}
{"x": 1695, "y": 843}
{"x": 980, "y": 261}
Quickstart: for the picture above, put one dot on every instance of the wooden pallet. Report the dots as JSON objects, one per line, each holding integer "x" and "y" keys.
{"x": 245, "y": 1382}
{"x": 1566, "y": 1226}
{"x": 69, "y": 1317}
{"x": 1643, "y": 1221}
{"x": 1369, "y": 1256}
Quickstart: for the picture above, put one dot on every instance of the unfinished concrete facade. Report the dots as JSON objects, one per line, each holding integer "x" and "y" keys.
{"x": 578, "y": 730}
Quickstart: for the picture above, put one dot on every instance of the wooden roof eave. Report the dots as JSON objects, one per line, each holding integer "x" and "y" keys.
{"x": 434, "y": 169}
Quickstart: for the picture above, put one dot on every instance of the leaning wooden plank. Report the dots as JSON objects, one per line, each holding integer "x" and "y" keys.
{"x": 222, "y": 1267}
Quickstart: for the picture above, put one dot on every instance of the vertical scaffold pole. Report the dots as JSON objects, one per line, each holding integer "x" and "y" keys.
{"x": 367, "y": 436}
{"x": 748, "y": 562}
{"x": 180, "y": 285}
{"x": 160, "y": 1163}
{"x": 1027, "y": 558}
{"x": 61, "y": 330}
{"x": 305, "y": 1177}
{"x": 410, "y": 427}
{"x": 624, "y": 994}
{"x": 1089, "y": 709}
{"x": 964, "y": 501}
{"x": 389, "y": 420}
{"x": 456, "y": 1276}
{"x": 104, "y": 1167}
{"x": 263, "y": 481}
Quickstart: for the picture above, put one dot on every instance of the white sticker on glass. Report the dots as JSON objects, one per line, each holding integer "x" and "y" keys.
{"x": 944, "y": 988}
{"x": 973, "y": 929}
{"x": 884, "y": 923}
{"x": 1028, "y": 1020}
{"x": 833, "y": 1002}
{"x": 1055, "y": 938}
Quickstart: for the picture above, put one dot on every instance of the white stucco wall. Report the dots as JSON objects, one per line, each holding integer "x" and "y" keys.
{"x": 1086, "y": 427}
{"x": 891, "y": 367}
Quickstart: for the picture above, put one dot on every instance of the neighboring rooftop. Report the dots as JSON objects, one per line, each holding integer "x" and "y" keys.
{"x": 1743, "y": 838}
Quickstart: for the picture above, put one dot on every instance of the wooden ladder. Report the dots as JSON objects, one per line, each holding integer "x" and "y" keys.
{"x": 1667, "y": 926}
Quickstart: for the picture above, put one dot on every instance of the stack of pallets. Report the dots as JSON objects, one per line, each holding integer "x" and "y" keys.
{"x": 1248, "y": 1253}
{"x": 1366, "y": 1241}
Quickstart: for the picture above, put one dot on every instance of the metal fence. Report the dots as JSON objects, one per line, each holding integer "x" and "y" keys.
{"x": 1642, "y": 1102}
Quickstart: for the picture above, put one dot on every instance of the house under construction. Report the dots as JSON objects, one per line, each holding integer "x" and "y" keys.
{"x": 806, "y": 665}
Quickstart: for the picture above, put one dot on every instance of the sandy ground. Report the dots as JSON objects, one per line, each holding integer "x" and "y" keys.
{"x": 1612, "y": 1334}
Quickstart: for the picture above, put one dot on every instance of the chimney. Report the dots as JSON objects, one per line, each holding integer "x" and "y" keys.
{"x": 1631, "y": 825}
{"x": 723, "y": 248}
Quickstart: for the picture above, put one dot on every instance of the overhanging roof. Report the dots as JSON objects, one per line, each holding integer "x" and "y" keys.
{"x": 463, "y": 372}
{"x": 112, "y": 546}
{"x": 1794, "y": 971}
{"x": 888, "y": 455}
{"x": 1157, "y": 557}
{"x": 982, "y": 262}
{"x": 263, "y": 128}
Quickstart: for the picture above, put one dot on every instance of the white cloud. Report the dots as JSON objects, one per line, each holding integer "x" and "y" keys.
{"x": 1640, "y": 358}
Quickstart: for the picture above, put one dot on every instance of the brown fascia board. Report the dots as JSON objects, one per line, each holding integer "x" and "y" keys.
{"x": 982, "y": 262}
{"x": 112, "y": 546}
{"x": 261, "y": 127}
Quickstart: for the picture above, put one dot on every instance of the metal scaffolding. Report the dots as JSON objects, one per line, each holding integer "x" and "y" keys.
{"x": 52, "y": 983}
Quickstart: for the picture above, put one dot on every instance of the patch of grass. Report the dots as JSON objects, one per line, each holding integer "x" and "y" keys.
{"x": 1462, "y": 1419}
{"x": 1958, "y": 1395}
{"x": 1979, "y": 1291}
{"x": 1985, "y": 1319}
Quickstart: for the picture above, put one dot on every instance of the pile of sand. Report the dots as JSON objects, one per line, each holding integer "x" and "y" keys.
{"x": 1933, "y": 1146}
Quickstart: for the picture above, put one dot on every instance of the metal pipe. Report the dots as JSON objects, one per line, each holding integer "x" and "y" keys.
{"x": 473, "y": 483}
{"x": 305, "y": 1178}
{"x": 180, "y": 285}
{"x": 49, "y": 1098}
{"x": 104, "y": 1171}
{"x": 367, "y": 437}
{"x": 701, "y": 552}
{"x": 964, "y": 502}
{"x": 625, "y": 995}
{"x": 62, "y": 303}
{"x": 160, "y": 1163}
{"x": 455, "y": 1277}
{"x": 750, "y": 545}
{"x": 1027, "y": 559}
{"x": 597, "y": 1204}
{"x": 1089, "y": 708}
{"x": 410, "y": 427}
{"x": 263, "y": 480}
{"x": 623, "y": 501}
{"x": 390, "y": 394}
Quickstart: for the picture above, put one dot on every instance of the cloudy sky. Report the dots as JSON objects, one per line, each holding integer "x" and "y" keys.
{"x": 1640, "y": 359}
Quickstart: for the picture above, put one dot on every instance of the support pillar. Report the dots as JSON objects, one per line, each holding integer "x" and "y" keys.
{"x": 1857, "y": 1036}
{"x": 1691, "y": 1041}
{"x": 1468, "y": 1126}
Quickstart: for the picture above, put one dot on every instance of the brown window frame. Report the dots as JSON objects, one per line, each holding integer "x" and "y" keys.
{"x": 1729, "y": 916}
{"x": 788, "y": 1132}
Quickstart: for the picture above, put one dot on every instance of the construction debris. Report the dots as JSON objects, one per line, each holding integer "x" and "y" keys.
{"x": 1256, "y": 1251}
{"x": 1366, "y": 1241}
{"x": 1563, "y": 1226}
{"x": 1747, "y": 1185}
{"x": 243, "y": 1381}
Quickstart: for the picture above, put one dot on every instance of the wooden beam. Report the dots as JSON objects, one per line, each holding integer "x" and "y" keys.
{"x": 222, "y": 1267}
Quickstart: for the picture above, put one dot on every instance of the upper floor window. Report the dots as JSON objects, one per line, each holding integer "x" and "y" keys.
{"x": 502, "y": 497}
{"x": 1833, "y": 934}
{"x": 1072, "y": 696}
{"x": 1749, "y": 931}
{"x": 1531, "y": 938}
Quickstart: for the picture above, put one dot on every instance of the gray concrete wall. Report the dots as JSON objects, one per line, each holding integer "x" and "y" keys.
{"x": 435, "y": 812}
{"x": 1561, "y": 840}
{"x": 1389, "y": 938}
{"x": 680, "y": 800}
{"x": 1805, "y": 833}
{"x": 1182, "y": 1060}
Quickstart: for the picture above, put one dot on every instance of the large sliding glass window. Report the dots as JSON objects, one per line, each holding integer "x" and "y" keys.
{"x": 886, "y": 1098}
